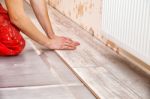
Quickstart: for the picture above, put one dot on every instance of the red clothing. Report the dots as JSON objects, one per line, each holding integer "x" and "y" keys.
{"x": 11, "y": 41}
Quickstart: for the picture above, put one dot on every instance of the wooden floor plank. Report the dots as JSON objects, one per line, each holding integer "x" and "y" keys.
{"x": 55, "y": 62}
{"x": 139, "y": 84}
{"x": 108, "y": 75}
{"x": 93, "y": 54}
{"x": 106, "y": 85}
{"x": 64, "y": 73}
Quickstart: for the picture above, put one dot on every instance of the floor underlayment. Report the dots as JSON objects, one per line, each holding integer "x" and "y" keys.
{"x": 41, "y": 74}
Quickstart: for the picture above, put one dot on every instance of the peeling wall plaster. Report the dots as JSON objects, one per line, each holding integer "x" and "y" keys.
{"x": 86, "y": 13}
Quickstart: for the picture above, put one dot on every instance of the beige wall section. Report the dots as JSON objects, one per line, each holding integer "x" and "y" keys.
{"x": 86, "y": 13}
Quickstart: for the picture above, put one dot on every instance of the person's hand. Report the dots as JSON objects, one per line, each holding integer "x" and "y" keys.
{"x": 62, "y": 43}
{"x": 66, "y": 38}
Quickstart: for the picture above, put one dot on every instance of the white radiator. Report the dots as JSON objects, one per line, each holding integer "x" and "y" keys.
{"x": 127, "y": 22}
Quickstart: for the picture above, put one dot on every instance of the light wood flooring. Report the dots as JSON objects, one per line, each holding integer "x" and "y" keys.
{"x": 92, "y": 71}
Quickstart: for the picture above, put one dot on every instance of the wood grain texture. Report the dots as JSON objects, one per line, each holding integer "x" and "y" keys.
{"x": 119, "y": 79}
{"x": 64, "y": 73}
{"x": 107, "y": 74}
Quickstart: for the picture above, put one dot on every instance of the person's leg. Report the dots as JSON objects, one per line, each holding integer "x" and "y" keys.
{"x": 11, "y": 41}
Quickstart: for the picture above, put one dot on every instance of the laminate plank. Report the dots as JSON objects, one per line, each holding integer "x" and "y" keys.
{"x": 104, "y": 84}
{"x": 100, "y": 56}
{"x": 139, "y": 84}
{"x": 60, "y": 67}
{"x": 55, "y": 62}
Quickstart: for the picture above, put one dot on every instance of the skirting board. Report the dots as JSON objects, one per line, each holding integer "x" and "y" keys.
{"x": 141, "y": 66}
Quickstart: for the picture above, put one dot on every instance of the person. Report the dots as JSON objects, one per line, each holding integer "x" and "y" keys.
{"x": 17, "y": 21}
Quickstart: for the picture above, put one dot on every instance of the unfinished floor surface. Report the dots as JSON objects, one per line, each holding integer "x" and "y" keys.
{"x": 21, "y": 78}
{"x": 41, "y": 74}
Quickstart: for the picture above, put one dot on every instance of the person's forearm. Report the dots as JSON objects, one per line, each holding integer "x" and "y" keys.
{"x": 27, "y": 27}
{"x": 19, "y": 18}
{"x": 41, "y": 12}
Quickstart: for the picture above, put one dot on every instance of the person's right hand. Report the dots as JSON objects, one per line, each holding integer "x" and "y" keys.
{"x": 62, "y": 43}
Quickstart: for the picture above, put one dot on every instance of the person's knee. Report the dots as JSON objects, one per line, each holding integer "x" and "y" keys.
{"x": 20, "y": 47}
{"x": 12, "y": 49}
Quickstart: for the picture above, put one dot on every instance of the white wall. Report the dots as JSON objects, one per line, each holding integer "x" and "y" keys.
{"x": 128, "y": 23}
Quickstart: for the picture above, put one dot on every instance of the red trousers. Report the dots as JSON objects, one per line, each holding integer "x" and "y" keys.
{"x": 11, "y": 41}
